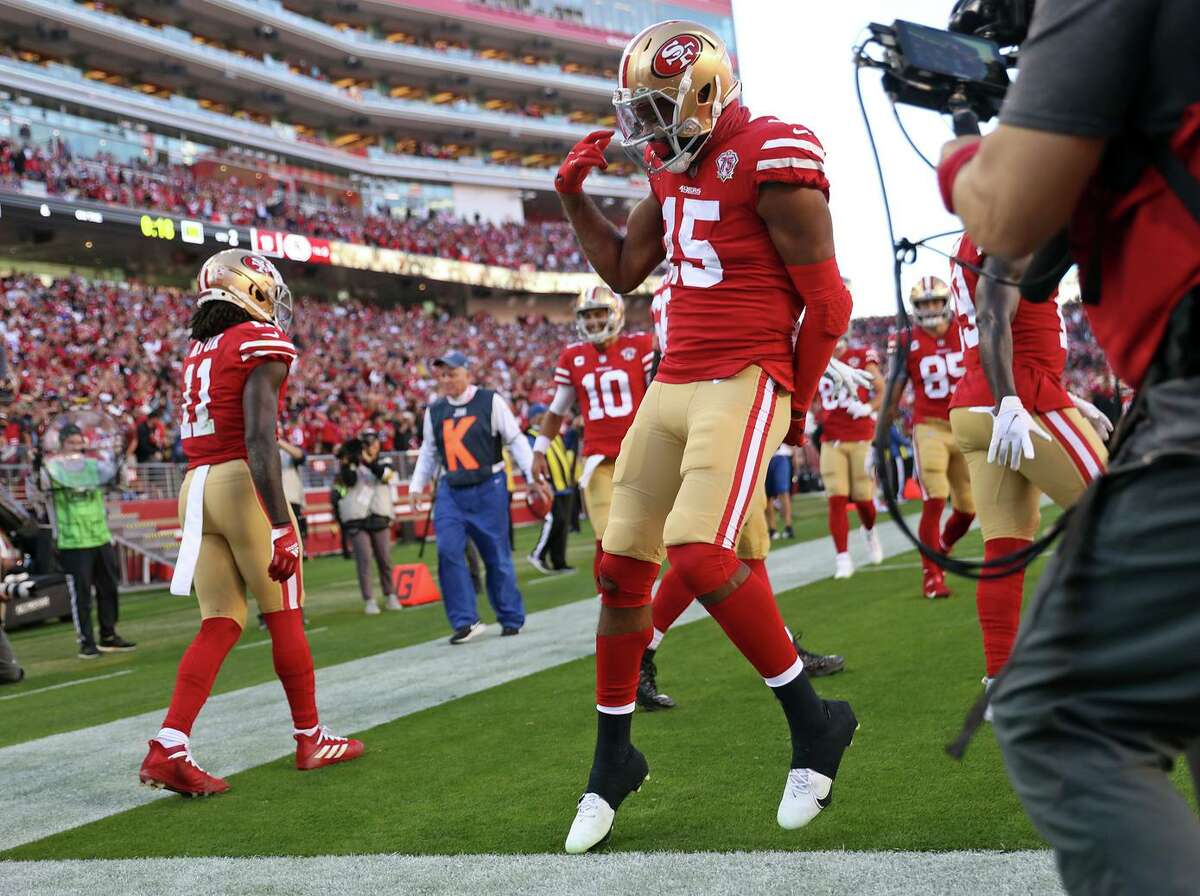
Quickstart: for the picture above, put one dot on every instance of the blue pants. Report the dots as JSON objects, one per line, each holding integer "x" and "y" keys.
{"x": 779, "y": 476}
{"x": 480, "y": 512}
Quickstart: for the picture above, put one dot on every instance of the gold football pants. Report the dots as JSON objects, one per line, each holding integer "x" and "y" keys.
{"x": 1007, "y": 499}
{"x": 693, "y": 463}
{"x": 235, "y": 548}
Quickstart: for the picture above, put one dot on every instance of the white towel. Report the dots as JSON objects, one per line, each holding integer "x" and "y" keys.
{"x": 589, "y": 467}
{"x": 193, "y": 530}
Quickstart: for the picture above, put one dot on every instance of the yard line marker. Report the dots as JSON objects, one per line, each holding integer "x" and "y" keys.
{"x": 67, "y": 684}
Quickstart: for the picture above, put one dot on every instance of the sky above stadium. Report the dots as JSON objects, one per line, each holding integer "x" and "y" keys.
{"x": 795, "y": 63}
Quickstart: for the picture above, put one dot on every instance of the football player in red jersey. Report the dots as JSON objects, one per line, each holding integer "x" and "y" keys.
{"x": 238, "y": 530}
{"x": 1022, "y": 433}
{"x": 738, "y": 207}
{"x": 606, "y": 375}
{"x": 934, "y": 366}
{"x": 754, "y": 543}
{"x": 847, "y": 427}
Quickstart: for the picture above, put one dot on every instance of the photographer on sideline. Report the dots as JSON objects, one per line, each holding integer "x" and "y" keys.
{"x": 1101, "y": 135}
{"x": 365, "y": 511}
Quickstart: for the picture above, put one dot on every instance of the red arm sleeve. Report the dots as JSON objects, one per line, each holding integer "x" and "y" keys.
{"x": 827, "y": 306}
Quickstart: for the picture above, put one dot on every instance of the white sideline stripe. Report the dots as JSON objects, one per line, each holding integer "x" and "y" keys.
{"x": 267, "y": 640}
{"x": 66, "y": 684}
{"x": 1028, "y": 873}
{"x": 249, "y": 727}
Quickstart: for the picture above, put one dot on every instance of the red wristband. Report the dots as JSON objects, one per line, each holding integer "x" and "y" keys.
{"x": 948, "y": 170}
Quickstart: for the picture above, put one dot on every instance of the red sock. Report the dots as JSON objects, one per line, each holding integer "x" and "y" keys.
{"x": 998, "y": 602}
{"x": 671, "y": 599}
{"x": 618, "y": 661}
{"x": 198, "y": 670}
{"x": 930, "y": 529}
{"x": 749, "y": 615}
{"x": 294, "y": 665}
{"x": 956, "y": 528}
{"x": 596, "y": 558}
{"x": 866, "y": 513}
{"x": 758, "y": 566}
{"x": 839, "y": 525}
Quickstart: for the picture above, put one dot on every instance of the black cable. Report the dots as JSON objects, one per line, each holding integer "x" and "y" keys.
{"x": 904, "y": 252}
{"x": 904, "y": 131}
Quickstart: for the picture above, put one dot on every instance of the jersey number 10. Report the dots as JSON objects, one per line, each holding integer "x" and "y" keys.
{"x": 196, "y": 421}
{"x": 610, "y": 397}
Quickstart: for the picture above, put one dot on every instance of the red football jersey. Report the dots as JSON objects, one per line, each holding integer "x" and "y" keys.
{"x": 732, "y": 303}
{"x": 1039, "y": 344}
{"x": 213, "y": 427}
{"x": 609, "y": 384}
{"x": 935, "y": 365}
{"x": 837, "y": 424}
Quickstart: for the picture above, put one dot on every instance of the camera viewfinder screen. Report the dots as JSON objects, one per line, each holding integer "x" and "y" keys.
{"x": 959, "y": 56}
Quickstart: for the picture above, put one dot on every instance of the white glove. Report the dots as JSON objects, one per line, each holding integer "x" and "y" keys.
{"x": 1094, "y": 416}
{"x": 846, "y": 377}
{"x": 1011, "y": 427}
{"x": 859, "y": 409}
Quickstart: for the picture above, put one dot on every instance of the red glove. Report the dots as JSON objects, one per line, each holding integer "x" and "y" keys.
{"x": 585, "y": 155}
{"x": 285, "y": 554}
{"x": 795, "y": 434}
{"x": 827, "y": 307}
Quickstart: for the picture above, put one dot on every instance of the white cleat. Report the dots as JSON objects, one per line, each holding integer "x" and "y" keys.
{"x": 371, "y": 608}
{"x": 987, "y": 686}
{"x": 843, "y": 566}
{"x": 874, "y": 548}
{"x": 804, "y": 796}
{"x": 393, "y": 603}
{"x": 592, "y": 825}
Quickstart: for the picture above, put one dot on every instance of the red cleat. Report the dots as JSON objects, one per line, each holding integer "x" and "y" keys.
{"x": 935, "y": 584}
{"x": 324, "y": 748}
{"x": 172, "y": 768}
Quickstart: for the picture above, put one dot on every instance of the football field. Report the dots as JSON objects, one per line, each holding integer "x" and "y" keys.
{"x": 476, "y": 754}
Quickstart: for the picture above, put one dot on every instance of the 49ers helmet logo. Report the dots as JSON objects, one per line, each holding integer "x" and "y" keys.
{"x": 257, "y": 263}
{"x": 676, "y": 55}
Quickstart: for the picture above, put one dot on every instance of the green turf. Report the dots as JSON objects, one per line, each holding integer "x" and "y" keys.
{"x": 163, "y": 625}
{"x": 499, "y": 771}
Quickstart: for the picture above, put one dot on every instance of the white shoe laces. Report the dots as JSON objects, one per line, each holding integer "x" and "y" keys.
{"x": 590, "y": 806}
{"x": 324, "y": 734}
{"x": 185, "y": 754}
{"x": 799, "y": 783}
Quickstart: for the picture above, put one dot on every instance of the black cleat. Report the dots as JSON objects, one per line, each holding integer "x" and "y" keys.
{"x": 115, "y": 644}
{"x": 817, "y": 665}
{"x": 648, "y": 697}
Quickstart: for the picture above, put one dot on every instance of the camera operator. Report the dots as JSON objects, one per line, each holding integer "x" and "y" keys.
{"x": 365, "y": 511}
{"x": 1101, "y": 135}
{"x": 10, "y": 670}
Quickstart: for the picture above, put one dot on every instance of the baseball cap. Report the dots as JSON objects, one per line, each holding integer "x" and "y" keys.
{"x": 452, "y": 359}
{"x": 536, "y": 410}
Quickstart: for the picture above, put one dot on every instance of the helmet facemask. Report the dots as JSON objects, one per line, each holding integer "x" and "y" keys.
{"x": 930, "y": 300}
{"x": 648, "y": 121}
{"x": 586, "y": 320}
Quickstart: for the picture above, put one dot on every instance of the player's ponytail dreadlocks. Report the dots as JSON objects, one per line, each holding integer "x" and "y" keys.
{"x": 216, "y": 317}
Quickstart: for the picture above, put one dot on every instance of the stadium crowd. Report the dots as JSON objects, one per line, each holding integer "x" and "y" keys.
{"x": 176, "y": 189}
{"x": 76, "y": 343}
